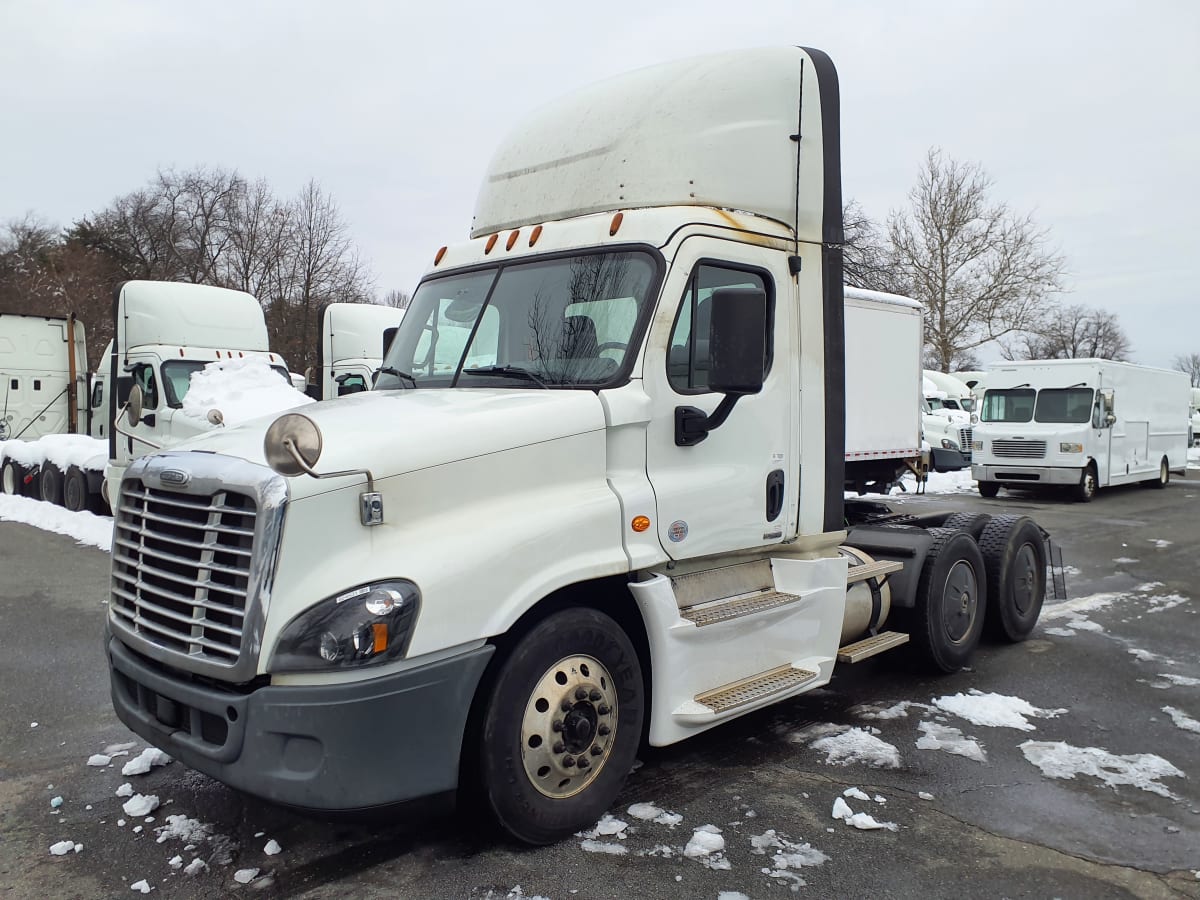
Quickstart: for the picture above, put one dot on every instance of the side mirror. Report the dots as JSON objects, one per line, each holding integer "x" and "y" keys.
{"x": 737, "y": 340}
{"x": 134, "y": 406}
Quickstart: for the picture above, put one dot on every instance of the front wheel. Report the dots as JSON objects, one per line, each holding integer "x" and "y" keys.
{"x": 561, "y": 727}
{"x": 1164, "y": 475}
{"x": 989, "y": 488}
{"x": 1086, "y": 489}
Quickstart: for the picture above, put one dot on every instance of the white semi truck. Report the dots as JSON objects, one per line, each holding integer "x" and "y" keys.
{"x": 1081, "y": 423}
{"x": 594, "y": 499}
{"x": 354, "y": 339}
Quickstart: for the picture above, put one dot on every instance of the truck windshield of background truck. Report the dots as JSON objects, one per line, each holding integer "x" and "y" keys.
{"x": 177, "y": 375}
{"x": 1072, "y": 405}
{"x": 1012, "y": 405}
{"x": 569, "y": 321}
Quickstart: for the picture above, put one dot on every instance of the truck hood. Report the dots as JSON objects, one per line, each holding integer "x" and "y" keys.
{"x": 395, "y": 432}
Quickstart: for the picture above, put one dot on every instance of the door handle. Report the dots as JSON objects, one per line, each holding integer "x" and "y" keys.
{"x": 774, "y": 494}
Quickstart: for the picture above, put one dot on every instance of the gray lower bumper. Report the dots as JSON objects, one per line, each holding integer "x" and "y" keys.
{"x": 331, "y": 747}
{"x": 1026, "y": 474}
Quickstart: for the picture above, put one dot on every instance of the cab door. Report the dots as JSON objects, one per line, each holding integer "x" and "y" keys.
{"x": 738, "y": 487}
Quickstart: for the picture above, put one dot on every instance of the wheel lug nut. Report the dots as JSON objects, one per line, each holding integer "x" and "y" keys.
{"x": 594, "y": 695}
{"x": 603, "y": 730}
{"x": 557, "y": 724}
{"x": 581, "y": 693}
{"x": 583, "y": 762}
{"x": 568, "y": 761}
{"x": 559, "y": 747}
{"x": 565, "y": 706}
{"x": 596, "y": 751}
{"x": 603, "y": 709}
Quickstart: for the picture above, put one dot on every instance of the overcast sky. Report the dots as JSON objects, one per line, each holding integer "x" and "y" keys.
{"x": 1085, "y": 114}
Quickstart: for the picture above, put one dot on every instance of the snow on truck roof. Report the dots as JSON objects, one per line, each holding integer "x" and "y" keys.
{"x": 716, "y": 131}
{"x": 200, "y": 316}
{"x": 853, "y": 293}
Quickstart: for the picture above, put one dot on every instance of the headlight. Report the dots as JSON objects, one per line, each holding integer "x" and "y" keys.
{"x": 974, "y": 419}
{"x": 977, "y": 446}
{"x": 948, "y": 444}
{"x": 368, "y": 625}
{"x": 1070, "y": 448}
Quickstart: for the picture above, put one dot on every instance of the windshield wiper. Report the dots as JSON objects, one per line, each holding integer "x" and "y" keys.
{"x": 389, "y": 370}
{"x": 507, "y": 372}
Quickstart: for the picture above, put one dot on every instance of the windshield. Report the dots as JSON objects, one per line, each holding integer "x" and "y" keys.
{"x": 569, "y": 321}
{"x": 1012, "y": 405}
{"x": 177, "y": 378}
{"x": 1064, "y": 405}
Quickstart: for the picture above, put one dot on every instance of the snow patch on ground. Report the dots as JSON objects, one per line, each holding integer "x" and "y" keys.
{"x": 994, "y": 710}
{"x": 1070, "y": 609}
{"x": 1057, "y": 759}
{"x": 843, "y": 746}
{"x": 950, "y": 740}
{"x": 880, "y": 712}
{"x": 707, "y": 845}
{"x": 786, "y": 856}
{"x": 1162, "y": 602}
{"x": 140, "y": 805}
{"x": 144, "y": 761}
{"x": 1161, "y": 544}
{"x": 861, "y": 821}
{"x": 648, "y": 812}
{"x": 1125, "y": 561}
{"x": 242, "y": 389}
{"x": 594, "y": 846}
{"x": 1169, "y": 680}
{"x": 1182, "y": 719}
{"x": 86, "y": 528}
{"x": 183, "y": 828}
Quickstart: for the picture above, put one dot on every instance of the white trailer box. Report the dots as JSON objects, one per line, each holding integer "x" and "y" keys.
{"x": 884, "y": 336}
{"x": 1088, "y": 423}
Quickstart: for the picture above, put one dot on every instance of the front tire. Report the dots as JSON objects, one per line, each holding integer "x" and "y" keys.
{"x": 989, "y": 488}
{"x": 1086, "y": 489}
{"x": 1014, "y": 557}
{"x": 1164, "y": 475}
{"x": 561, "y": 726}
{"x": 947, "y": 620}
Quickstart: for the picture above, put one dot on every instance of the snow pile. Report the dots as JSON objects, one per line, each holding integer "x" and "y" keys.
{"x": 951, "y": 740}
{"x": 861, "y": 821}
{"x": 99, "y": 760}
{"x": 183, "y": 828}
{"x": 272, "y": 848}
{"x": 142, "y": 763}
{"x": 195, "y": 867}
{"x": 787, "y": 854}
{"x": 62, "y": 450}
{"x": 86, "y": 528}
{"x": 608, "y": 826}
{"x": 1161, "y": 602}
{"x": 648, "y": 812}
{"x": 62, "y": 848}
{"x": 242, "y": 389}
{"x": 843, "y": 746}
{"x": 245, "y": 876}
{"x": 1182, "y": 719}
{"x": 1057, "y": 759}
{"x": 142, "y": 886}
{"x": 994, "y": 710}
{"x": 140, "y": 805}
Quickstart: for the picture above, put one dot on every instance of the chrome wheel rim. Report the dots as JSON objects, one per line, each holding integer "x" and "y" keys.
{"x": 569, "y": 727}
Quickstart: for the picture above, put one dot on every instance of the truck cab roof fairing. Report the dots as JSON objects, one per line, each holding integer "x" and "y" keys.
{"x": 716, "y": 130}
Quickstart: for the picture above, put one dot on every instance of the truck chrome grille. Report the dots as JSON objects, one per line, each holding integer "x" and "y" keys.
{"x": 182, "y": 569}
{"x": 964, "y": 441}
{"x": 1019, "y": 449}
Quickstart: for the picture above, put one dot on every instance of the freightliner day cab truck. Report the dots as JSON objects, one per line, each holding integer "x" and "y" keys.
{"x": 354, "y": 339}
{"x": 595, "y": 497}
{"x": 1080, "y": 423}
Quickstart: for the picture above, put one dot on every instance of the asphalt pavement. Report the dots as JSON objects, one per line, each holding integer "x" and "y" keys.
{"x": 964, "y": 827}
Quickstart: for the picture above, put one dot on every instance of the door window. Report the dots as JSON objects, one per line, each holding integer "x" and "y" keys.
{"x": 688, "y": 352}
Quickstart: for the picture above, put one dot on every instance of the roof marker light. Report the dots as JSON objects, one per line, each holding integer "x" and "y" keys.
{"x": 438, "y": 256}
{"x": 535, "y": 234}
{"x": 491, "y": 242}
{"x": 512, "y": 239}
{"x": 616, "y": 224}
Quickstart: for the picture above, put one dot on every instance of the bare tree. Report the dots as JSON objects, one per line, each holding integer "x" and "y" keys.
{"x": 865, "y": 261}
{"x": 1189, "y": 364}
{"x": 981, "y": 271}
{"x": 1073, "y": 332}
{"x": 396, "y": 299}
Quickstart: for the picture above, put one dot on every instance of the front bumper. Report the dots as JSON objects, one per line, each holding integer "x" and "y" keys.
{"x": 1006, "y": 474}
{"x": 327, "y": 747}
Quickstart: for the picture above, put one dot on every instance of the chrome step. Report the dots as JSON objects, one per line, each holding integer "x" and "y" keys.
{"x": 741, "y": 693}
{"x": 871, "y": 646}
{"x": 736, "y": 607}
{"x": 875, "y": 569}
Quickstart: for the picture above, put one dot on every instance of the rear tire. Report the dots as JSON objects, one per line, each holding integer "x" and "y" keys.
{"x": 51, "y": 490}
{"x": 951, "y": 602}
{"x": 1164, "y": 475}
{"x": 970, "y": 522}
{"x": 1014, "y": 557}
{"x": 1086, "y": 489}
{"x": 989, "y": 488}
{"x": 530, "y": 747}
{"x": 75, "y": 490}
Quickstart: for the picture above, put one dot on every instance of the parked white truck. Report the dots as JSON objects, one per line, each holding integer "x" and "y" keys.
{"x": 595, "y": 498}
{"x": 354, "y": 338}
{"x": 1083, "y": 423}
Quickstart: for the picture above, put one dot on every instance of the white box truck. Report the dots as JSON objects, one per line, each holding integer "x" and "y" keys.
{"x": 1082, "y": 423}
{"x": 354, "y": 339}
{"x": 595, "y": 497}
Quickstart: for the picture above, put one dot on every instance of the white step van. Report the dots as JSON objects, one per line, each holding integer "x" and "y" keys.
{"x": 1086, "y": 423}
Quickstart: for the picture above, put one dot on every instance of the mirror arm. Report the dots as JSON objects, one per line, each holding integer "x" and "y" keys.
{"x": 692, "y": 425}
{"x": 294, "y": 453}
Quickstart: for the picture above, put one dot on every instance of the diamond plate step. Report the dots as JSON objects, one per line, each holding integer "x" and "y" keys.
{"x": 871, "y": 646}
{"x": 740, "y": 693}
{"x": 736, "y": 607}
{"x": 875, "y": 569}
